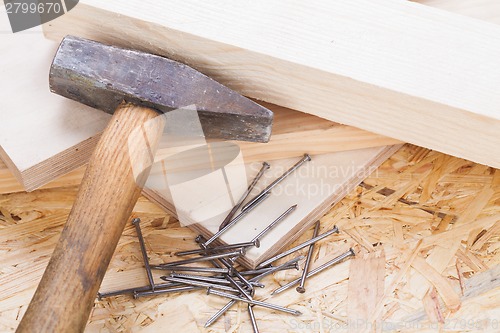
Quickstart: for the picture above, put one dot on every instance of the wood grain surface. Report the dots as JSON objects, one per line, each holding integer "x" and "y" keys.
{"x": 110, "y": 188}
{"x": 380, "y": 66}
{"x": 389, "y": 208}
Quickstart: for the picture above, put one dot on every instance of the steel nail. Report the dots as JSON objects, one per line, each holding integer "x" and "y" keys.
{"x": 233, "y": 211}
{"x": 234, "y": 221}
{"x": 193, "y": 269}
{"x": 252, "y": 319}
{"x": 255, "y": 271}
{"x": 211, "y": 291}
{"x": 300, "y": 288}
{"x": 165, "y": 291}
{"x": 238, "y": 275}
{"x": 298, "y": 247}
{"x": 219, "y": 248}
{"x": 315, "y": 271}
{"x": 199, "y": 283}
{"x": 276, "y": 182}
{"x": 274, "y": 223}
{"x": 132, "y": 290}
{"x": 136, "y": 222}
{"x": 219, "y": 313}
{"x": 212, "y": 279}
{"x": 265, "y": 269}
{"x": 197, "y": 277}
{"x": 240, "y": 288}
{"x": 287, "y": 265}
{"x": 204, "y": 258}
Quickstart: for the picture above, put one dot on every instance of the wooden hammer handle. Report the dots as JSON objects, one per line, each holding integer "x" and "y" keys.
{"x": 107, "y": 195}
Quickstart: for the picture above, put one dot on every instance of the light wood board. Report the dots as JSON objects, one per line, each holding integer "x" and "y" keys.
{"x": 396, "y": 68}
{"x": 366, "y": 287}
{"x": 488, "y": 10}
{"x": 45, "y": 136}
{"x": 314, "y": 187}
{"x": 347, "y": 169}
{"x": 31, "y": 222}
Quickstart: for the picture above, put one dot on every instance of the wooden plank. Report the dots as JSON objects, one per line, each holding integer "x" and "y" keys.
{"x": 380, "y": 66}
{"x": 45, "y": 136}
{"x": 488, "y": 10}
{"x": 10, "y": 184}
{"x": 365, "y": 289}
{"x": 315, "y": 188}
{"x": 321, "y": 183}
{"x": 30, "y": 223}
{"x": 296, "y": 132}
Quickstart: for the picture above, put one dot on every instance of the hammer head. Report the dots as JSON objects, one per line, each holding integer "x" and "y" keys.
{"x": 102, "y": 76}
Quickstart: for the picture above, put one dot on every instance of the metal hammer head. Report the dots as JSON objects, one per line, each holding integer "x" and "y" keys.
{"x": 102, "y": 76}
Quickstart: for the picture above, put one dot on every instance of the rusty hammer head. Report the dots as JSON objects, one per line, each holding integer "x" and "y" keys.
{"x": 103, "y": 76}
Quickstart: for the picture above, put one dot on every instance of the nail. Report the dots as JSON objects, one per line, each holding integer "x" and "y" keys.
{"x": 271, "y": 270}
{"x": 255, "y": 271}
{"x": 240, "y": 288}
{"x": 210, "y": 279}
{"x": 234, "y": 221}
{"x": 193, "y": 269}
{"x": 137, "y": 226}
{"x": 254, "y": 302}
{"x": 265, "y": 269}
{"x": 315, "y": 271}
{"x": 300, "y": 288}
{"x": 298, "y": 247}
{"x": 290, "y": 264}
{"x": 274, "y": 223}
{"x": 233, "y": 211}
{"x": 165, "y": 291}
{"x": 219, "y": 313}
{"x": 219, "y": 248}
{"x": 199, "y": 283}
{"x": 252, "y": 319}
{"x": 237, "y": 274}
{"x": 276, "y": 182}
{"x": 197, "y": 277}
{"x": 204, "y": 258}
{"x": 132, "y": 290}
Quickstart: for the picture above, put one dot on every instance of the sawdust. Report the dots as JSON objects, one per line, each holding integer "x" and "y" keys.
{"x": 436, "y": 218}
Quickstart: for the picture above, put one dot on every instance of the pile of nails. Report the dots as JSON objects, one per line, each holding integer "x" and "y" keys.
{"x": 222, "y": 277}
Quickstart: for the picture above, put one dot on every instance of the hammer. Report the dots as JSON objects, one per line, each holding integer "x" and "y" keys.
{"x": 136, "y": 87}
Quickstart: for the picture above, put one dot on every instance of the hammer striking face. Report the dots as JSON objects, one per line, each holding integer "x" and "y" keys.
{"x": 102, "y": 76}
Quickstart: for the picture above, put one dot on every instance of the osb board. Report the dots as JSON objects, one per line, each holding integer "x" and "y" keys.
{"x": 46, "y": 136}
{"x": 418, "y": 202}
